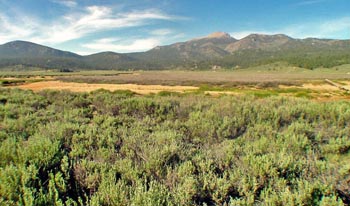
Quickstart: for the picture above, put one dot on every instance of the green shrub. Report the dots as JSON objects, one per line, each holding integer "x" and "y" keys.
{"x": 117, "y": 148}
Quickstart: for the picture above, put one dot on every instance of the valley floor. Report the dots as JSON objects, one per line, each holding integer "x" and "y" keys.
{"x": 260, "y": 81}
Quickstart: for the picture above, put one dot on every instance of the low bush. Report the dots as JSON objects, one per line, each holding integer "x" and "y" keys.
{"x": 117, "y": 148}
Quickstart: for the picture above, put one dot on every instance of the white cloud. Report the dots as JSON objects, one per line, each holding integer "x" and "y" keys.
{"x": 98, "y": 19}
{"x": 335, "y": 26}
{"x": 336, "y": 29}
{"x": 67, "y": 3}
{"x": 107, "y": 40}
{"x": 23, "y": 28}
{"x": 83, "y": 53}
{"x": 132, "y": 43}
{"x": 242, "y": 34}
{"x": 123, "y": 46}
{"x": 93, "y": 19}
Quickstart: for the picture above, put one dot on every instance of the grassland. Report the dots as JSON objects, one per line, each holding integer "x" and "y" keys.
{"x": 272, "y": 73}
{"x": 225, "y": 78}
{"x": 264, "y": 136}
{"x": 262, "y": 81}
{"x": 85, "y": 87}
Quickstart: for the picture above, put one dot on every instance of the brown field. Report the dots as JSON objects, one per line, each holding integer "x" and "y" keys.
{"x": 256, "y": 81}
{"x": 288, "y": 76}
{"x": 319, "y": 86}
{"x": 85, "y": 87}
{"x": 321, "y": 91}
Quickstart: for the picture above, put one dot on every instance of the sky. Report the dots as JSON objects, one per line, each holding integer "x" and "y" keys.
{"x": 91, "y": 26}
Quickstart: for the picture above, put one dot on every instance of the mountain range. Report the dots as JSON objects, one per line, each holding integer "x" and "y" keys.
{"x": 218, "y": 49}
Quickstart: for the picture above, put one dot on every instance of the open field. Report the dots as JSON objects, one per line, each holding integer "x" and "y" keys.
{"x": 318, "y": 91}
{"x": 84, "y": 87}
{"x": 260, "y": 81}
{"x": 226, "y": 78}
{"x": 272, "y": 73}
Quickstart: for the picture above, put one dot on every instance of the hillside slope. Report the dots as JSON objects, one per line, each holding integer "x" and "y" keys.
{"x": 218, "y": 48}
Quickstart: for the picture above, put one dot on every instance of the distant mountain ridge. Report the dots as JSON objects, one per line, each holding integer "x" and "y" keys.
{"x": 219, "y": 49}
{"x": 29, "y": 49}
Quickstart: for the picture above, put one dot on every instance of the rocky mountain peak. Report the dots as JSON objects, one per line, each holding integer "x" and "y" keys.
{"x": 218, "y": 35}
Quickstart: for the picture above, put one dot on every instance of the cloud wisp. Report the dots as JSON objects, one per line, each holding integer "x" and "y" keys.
{"x": 336, "y": 28}
{"x": 98, "y": 19}
{"x": 91, "y": 20}
{"x": 310, "y": 2}
{"x": 66, "y": 3}
{"x": 154, "y": 38}
{"x": 20, "y": 29}
{"x": 244, "y": 33}
{"x": 134, "y": 45}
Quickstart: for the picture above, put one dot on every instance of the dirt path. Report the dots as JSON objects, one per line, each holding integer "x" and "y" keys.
{"x": 84, "y": 87}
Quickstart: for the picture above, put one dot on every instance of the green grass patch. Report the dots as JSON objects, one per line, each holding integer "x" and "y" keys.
{"x": 12, "y": 82}
{"x": 263, "y": 93}
{"x": 168, "y": 93}
{"x": 223, "y": 88}
{"x": 5, "y": 82}
{"x": 303, "y": 95}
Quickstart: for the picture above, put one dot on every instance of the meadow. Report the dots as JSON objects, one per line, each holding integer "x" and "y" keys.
{"x": 271, "y": 73}
{"x": 260, "y": 138}
{"x": 268, "y": 80}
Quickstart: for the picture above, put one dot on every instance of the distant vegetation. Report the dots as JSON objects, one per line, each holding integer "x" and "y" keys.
{"x": 299, "y": 58}
{"x": 103, "y": 148}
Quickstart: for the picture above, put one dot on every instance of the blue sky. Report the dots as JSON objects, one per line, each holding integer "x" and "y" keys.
{"x": 90, "y": 26}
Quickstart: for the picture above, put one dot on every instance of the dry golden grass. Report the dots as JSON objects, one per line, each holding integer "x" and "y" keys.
{"x": 319, "y": 86}
{"x": 317, "y": 90}
{"x": 218, "y": 93}
{"x": 84, "y": 87}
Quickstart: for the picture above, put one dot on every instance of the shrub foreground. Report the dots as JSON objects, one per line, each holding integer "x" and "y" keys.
{"x": 103, "y": 148}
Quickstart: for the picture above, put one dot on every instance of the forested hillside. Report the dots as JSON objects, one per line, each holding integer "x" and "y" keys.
{"x": 218, "y": 50}
{"x": 103, "y": 148}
